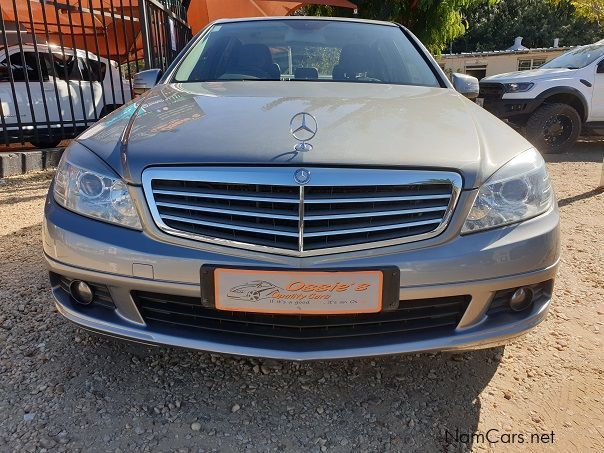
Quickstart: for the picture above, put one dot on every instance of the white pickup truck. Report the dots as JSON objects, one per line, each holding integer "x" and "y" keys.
{"x": 554, "y": 103}
{"x": 58, "y": 92}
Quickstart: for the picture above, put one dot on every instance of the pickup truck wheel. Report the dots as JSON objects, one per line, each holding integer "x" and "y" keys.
{"x": 46, "y": 142}
{"x": 553, "y": 128}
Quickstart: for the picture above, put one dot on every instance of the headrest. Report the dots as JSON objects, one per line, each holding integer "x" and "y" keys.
{"x": 306, "y": 73}
{"x": 357, "y": 55}
{"x": 257, "y": 55}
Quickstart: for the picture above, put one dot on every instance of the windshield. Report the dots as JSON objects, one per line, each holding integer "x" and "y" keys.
{"x": 577, "y": 58}
{"x": 306, "y": 50}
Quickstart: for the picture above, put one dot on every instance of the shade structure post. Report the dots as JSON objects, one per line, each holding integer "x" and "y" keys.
{"x": 145, "y": 25}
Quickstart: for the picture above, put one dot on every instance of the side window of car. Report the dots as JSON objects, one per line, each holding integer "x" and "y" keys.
{"x": 32, "y": 66}
{"x": 4, "y": 71}
{"x": 84, "y": 70}
{"x": 92, "y": 70}
{"x": 102, "y": 70}
{"x": 66, "y": 67}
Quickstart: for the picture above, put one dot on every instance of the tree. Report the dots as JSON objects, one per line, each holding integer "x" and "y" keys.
{"x": 494, "y": 27}
{"x": 435, "y": 22}
{"x": 591, "y": 9}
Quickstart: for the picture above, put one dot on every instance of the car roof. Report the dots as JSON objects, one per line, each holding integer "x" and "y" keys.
{"x": 329, "y": 19}
{"x": 43, "y": 47}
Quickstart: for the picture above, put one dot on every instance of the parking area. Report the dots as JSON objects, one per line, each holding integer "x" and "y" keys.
{"x": 63, "y": 389}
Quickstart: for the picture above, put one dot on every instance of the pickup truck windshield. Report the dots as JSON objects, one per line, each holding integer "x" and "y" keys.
{"x": 577, "y": 58}
{"x": 306, "y": 50}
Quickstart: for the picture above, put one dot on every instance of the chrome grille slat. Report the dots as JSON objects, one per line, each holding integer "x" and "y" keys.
{"x": 262, "y": 208}
{"x": 373, "y": 214}
{"x": 315, "y": 233}
{"x": 375, "y": 199}
{"x": 231, "y": 226}
{"x": 227, "y": 197}
{"x": 228, "y": 211}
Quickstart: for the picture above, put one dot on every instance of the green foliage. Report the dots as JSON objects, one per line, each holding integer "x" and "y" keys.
{"x": 324, "y": 59}
{"x": 435, "y": 22}
{"x": 475, "y": 25}
{"x": 591, "y": 9}
{"x": 494, "y": 27}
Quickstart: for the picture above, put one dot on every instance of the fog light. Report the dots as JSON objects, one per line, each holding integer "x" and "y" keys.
{"x": 81, "y": 292}
{"x": 521, "y": 299}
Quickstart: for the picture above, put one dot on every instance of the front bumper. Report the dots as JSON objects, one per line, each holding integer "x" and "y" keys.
{"x": 477, "y": 265}
{"x": 511, "y": 109}
{"x": 509, "y": 106}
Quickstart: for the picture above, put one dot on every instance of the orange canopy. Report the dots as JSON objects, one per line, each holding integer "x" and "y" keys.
{"x": 112, "y": 25}
{"x": 202, "y": 12}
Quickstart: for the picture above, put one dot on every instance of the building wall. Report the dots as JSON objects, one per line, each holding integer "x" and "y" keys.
{"x": 494, "y": 63}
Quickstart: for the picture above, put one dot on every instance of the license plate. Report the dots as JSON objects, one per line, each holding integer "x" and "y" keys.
{"x": 303, "y": 292}
{"x": 480, "y": 101}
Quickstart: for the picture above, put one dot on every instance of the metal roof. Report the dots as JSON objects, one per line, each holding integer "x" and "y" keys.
{"x": 507, "y": 52}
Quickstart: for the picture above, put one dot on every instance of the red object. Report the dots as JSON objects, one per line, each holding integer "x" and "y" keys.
{"x": 108, "y": 30}
{"x": 202, "y": 12}
{"x": 86, "y": 29}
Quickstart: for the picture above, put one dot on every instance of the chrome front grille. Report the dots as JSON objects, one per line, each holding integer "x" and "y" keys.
{"x": 265, "y": 209}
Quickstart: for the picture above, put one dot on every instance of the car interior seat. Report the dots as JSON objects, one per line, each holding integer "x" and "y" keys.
{"x": 306, "y": 74}
{"x": 255, "y": 60}
{"x": 354, "y": 59}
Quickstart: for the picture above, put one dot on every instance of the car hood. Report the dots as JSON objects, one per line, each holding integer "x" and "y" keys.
{"x": 248, "y": 123}
{"x": 531, "y": 75}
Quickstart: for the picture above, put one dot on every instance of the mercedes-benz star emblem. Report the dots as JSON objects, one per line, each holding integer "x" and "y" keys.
{"x": 303, "y": 127}
{"x": 302, "y": 176}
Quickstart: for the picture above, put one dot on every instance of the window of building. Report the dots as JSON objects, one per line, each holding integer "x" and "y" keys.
{"x": 530, "y": 63}
{"x": 479, "y": 71}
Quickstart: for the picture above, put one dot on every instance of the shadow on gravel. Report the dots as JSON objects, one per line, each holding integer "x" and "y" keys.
{"x": 35, "y": 180}
{"x": 61, "y": 386}
{"x": 18, "y": 199}
{"x": 583, "y": 151}
{"x": 583, "y": 196}
{"x": 426, "y": 402}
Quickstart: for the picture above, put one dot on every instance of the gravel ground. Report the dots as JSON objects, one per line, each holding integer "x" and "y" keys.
{"x": 62, "y": 389}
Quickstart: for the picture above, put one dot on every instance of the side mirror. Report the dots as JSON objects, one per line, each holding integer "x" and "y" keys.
{"x": 145, "y": 80}
{"x": 466, "y": 85}
{"x": 600, "y": 69}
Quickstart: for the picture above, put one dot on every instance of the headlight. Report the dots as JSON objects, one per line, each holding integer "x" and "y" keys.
{"x": 86, "y": 185}
{"x": 518, "y": 87}
{"x": 517, "y": 191}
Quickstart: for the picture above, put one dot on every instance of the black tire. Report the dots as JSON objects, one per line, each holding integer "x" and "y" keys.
{"x": 553, "y": 128}
{"x": 46, "y": 142}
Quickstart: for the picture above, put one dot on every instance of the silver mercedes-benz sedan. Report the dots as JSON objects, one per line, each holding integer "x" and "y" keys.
{"x": 303, "y": 188}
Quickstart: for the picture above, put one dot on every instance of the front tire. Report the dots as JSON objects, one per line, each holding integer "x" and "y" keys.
{"x": 554, "y": 128}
